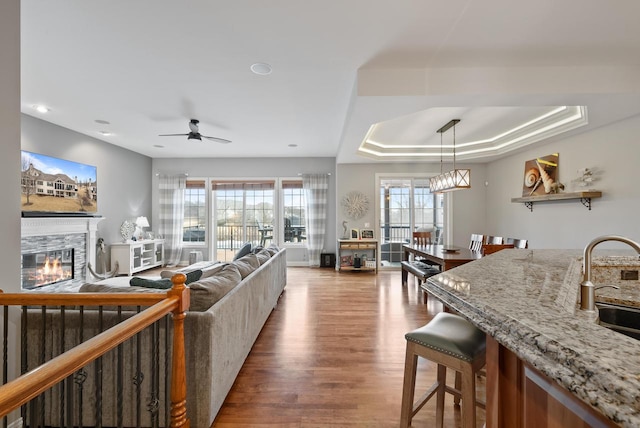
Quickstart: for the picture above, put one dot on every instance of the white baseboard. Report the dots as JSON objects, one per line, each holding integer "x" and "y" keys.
{"x": 301, "y": 263}
{"x": 15, "y": 424}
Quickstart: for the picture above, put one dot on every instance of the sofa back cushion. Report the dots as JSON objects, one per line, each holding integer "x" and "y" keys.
{"x": 263, "y": 256}
{"x": 273, "y": 249}
{"x": 247, "y": 264}
{"x": 206, "y": 292}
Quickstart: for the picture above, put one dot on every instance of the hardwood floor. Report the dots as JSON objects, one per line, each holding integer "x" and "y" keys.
{"x": 332, "y": 354}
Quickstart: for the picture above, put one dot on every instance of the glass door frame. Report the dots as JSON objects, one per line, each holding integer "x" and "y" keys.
{"x": 213, "y": 234}
{"x": 447, "y": 204}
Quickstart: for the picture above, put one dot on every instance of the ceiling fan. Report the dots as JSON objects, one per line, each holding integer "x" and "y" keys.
{"x": 195, "y": 134}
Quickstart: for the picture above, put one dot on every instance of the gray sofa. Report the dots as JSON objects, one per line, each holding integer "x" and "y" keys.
{"x": 220, "y": 329}
{"x": 219, "y": 339}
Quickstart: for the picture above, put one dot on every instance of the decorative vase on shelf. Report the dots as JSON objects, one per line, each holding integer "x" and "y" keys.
{"x": 126, "y": 230}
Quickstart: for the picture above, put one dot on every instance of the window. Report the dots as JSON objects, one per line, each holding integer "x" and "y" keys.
{"x": 195, "y": 212}
{"x": 294, "y": 210}
{"x": 428, "y": 212}
{"x": 243, "y": 212}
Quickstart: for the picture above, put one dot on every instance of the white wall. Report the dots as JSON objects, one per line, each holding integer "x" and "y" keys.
{"x": 10, "y": 171}
{"x": 124, "y": 177}
{"x": 10, "y": 140}
{"x": 253, "y": 168}
{"x": 613, "y": 149}
{"x": 468, "y": 205}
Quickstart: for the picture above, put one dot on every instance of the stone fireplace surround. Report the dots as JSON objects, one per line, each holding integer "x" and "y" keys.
{"x": 51, "y": 233}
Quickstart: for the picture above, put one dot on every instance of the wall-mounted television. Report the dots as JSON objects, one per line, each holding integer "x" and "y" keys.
{"x": 57, "y": 187}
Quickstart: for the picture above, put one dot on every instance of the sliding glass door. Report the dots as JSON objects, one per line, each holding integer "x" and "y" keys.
{"x": 243, "y": 211}
{"x": 406, "y": 205}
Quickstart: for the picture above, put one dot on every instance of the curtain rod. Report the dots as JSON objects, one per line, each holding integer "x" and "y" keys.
{"x": 328, "y": 173}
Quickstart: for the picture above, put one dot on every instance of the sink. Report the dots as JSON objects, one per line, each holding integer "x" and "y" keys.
{"x": 623, "y": 319}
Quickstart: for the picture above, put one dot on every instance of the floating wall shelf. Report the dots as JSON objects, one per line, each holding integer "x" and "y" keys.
{"x": 585, "y": 198}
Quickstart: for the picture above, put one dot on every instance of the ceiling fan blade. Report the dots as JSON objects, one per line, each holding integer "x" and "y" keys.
{"x": 219, "y": 140}
{"x": 172, "y": 135}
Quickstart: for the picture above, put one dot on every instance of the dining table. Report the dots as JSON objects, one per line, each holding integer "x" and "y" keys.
{"x": 447, "y": 256}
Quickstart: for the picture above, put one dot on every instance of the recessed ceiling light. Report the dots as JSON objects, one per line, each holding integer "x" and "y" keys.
{"x": 158, "y": 146}
{"x": 293, "y": 145}
{"x": 41, "y": 108}
{"x": 105, "y": 133}
{"x": 102, "y": 122}
{"x": 261, "y": 68}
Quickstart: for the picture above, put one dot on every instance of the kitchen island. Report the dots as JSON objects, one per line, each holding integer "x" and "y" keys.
{"x": 548, "y": 363}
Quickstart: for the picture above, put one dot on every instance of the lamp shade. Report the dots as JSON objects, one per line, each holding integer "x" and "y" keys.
{"x": 142, "y": 222}
{"x": 453, "y": 180}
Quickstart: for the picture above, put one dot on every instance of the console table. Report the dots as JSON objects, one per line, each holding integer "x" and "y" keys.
{"x": 136, "y": 256}
{"x": 351, "y": 247}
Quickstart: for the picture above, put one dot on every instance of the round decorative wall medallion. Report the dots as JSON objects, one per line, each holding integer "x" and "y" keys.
{"x": 355, "y": 205}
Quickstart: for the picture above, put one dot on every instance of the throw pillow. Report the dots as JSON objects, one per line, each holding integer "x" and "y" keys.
{"x": 151, "y": 283}
{"x": 246, "y": 249}
{"x": 163, "y": 283}
{"x": 206, "y": 292}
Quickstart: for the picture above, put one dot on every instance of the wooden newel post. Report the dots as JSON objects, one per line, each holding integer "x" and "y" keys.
{"x": 178, "y": 366}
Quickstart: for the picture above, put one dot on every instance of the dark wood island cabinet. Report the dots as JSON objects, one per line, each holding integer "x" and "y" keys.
{"x": 548, "y": 363}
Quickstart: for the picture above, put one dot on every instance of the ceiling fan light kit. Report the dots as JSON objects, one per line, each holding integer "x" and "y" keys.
{"x": 457, "y": 178}
{"x": 195, "y": 134}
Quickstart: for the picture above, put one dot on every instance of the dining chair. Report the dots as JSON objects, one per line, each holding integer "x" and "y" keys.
{"x": 476, "y": 242}
{"x": 493, "y": 240}
{"x": 421, "y": 238}
{"x": 517, "y": 243}
{"x": 266, "y": 232}
{"x": 438, "y": 239}
{"x": 494, "y": 248}
{"x": 290, "y": 231}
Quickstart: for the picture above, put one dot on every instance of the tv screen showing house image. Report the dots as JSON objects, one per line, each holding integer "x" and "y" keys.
{"x": 56, "y": 186}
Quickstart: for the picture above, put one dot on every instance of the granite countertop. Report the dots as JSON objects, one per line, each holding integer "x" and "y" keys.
{"x": 526, "y": 300}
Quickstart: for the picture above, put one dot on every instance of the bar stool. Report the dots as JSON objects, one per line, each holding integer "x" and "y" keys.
{"x": 450, "y": 341}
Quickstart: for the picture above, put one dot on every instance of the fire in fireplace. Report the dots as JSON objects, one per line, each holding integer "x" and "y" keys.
{"x": 46, "y": 267}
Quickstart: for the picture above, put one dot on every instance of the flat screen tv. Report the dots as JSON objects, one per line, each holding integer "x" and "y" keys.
{"x": 57, "y": 187}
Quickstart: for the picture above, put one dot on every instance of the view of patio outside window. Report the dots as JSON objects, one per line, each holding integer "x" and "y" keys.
{"x": 243, "y": 212}
{"x": 406, "y": 205}
{"x": 294, "y": 205}
{"x": 428, "y": 208}
{"x": 195, "y": 212}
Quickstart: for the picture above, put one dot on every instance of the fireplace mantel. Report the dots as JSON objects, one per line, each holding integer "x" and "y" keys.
{"x": 36, "y": 226}
{"x": 41, "y": 226}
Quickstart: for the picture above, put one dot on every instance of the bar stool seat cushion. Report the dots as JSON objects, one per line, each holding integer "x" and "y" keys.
{"x": 452, "y": 335}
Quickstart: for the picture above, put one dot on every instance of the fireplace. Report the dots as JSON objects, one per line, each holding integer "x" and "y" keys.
{"x": 66, "y": 243}
{"x": 47, "y": 267}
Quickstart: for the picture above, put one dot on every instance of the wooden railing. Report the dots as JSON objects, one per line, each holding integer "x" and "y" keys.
{"x": 176, "y": 302}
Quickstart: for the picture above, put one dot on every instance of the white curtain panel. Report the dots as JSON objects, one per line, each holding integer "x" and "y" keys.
{"x": 171, "y": 191}
{"x": 316, "y": 187}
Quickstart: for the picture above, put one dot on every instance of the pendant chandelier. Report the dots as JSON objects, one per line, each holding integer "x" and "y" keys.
{"x": 455, "y": 179}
